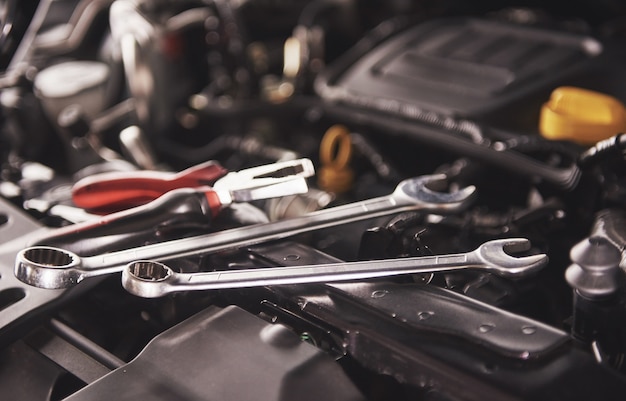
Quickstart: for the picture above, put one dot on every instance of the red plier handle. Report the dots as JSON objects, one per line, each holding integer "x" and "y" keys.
{"x": 111, "y": 192}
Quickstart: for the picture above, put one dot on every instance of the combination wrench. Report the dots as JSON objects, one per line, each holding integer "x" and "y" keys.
{"x": 150, "y": 279}
{"x": 50, "y": 267}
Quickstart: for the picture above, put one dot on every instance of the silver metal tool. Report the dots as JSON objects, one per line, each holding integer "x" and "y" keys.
{"x": 50, "y": 267}
{"x": 150, "y": 279}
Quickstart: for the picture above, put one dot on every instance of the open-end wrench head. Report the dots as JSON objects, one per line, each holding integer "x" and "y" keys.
{"x": 147, "y": 278}
{"x": 47, "y": 267}
{"x": 495, "y": 254}
{"x": 416, "y": 189}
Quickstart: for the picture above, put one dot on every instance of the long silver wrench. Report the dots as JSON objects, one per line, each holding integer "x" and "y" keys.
{"x": 50, "y": 267}
{"x": 151, "y": 279}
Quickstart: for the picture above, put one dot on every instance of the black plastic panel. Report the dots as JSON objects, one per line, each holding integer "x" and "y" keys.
{"x": 225, "y": 354}
{"x": 463, "y": 67}
{"x": 433, "y": 310}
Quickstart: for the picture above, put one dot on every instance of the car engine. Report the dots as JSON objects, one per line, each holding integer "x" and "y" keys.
{"x": 320, "y": 199}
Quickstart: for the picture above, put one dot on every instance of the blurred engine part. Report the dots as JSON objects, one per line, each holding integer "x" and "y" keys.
{"x": 292, "y": 368}
{"x": 454, "y": 67}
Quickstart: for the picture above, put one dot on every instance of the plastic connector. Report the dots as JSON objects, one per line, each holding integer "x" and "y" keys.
{"x": 335, "y": 175}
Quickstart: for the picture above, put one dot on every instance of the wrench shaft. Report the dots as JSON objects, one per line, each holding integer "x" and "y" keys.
{"x": 321, "y": 273}
{"x": 151, "y": 279}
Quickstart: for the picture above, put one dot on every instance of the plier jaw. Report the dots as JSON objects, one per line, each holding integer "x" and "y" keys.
{"x": 266, "y": 181}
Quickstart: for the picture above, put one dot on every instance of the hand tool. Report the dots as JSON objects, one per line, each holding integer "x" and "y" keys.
{"x": 116, "y": 191}
{"x": 150, "y": 279}
{"x": 185, "y": 208}
{"x": 50, "y": 267}
{"x": 120, "y": 190}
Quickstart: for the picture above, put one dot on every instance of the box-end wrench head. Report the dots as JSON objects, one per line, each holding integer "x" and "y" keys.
{"x": 151, "y": 279}
{"x": 53, "y": 268}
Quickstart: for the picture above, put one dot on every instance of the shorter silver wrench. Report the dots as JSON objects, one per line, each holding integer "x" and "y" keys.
{"x": 49, "y": 267}
{"x": 150, "y": 279}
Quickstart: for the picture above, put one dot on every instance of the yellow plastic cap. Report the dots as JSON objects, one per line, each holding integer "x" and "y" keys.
{"x": 581, "y": 115}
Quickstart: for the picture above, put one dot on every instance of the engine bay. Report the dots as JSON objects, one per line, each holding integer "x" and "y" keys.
{"x": 320, "y": 199}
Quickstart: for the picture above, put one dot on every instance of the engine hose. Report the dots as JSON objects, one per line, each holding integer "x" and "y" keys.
{"x": 607, "y": 149}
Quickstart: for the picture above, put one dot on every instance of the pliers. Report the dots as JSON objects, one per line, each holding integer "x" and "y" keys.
{"x": 112, "y": 192}
{"x": 177, "y": 209}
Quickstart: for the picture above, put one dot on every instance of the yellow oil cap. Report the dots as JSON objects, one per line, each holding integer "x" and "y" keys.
{"x": 581, "y": 115}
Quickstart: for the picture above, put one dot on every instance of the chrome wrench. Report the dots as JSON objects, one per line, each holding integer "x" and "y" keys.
{"x": 49, "y": 267}
{"x": 150, "y": 279}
